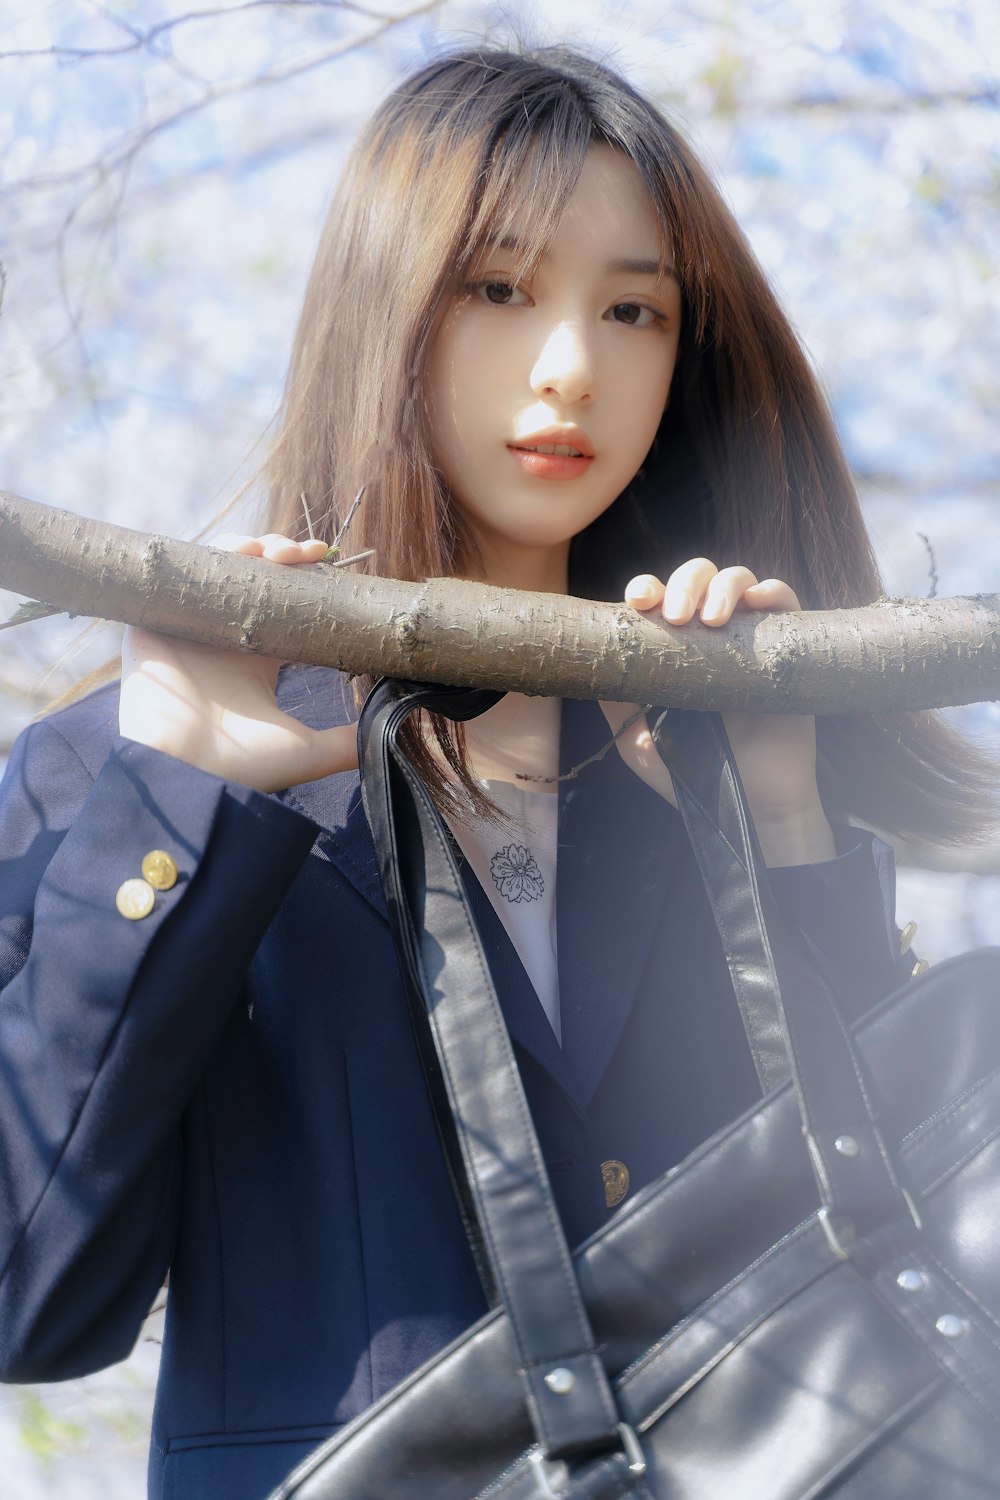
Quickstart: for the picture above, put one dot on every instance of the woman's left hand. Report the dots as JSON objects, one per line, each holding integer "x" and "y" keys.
{"x": 776, "y": 753}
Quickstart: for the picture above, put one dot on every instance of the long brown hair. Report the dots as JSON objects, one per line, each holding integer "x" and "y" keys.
{"x": 746, "y": 466}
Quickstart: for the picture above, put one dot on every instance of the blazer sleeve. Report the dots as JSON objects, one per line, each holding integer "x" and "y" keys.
{"x": 845, "y": 910}
{"x": 107, "y": 1023}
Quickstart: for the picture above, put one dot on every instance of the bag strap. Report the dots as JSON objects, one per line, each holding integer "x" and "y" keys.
{"x": 448, "y": 981}
{"x": 859, "y": 1180}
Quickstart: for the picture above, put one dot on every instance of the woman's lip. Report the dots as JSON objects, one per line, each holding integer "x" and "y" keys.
{"x": 572, "y": 438}
{"x": 550, "y": 465}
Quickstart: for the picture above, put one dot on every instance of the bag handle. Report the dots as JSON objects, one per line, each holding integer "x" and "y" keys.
{"x": 450, "y": 989}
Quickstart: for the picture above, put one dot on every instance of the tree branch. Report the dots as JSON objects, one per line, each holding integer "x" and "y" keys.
{"x": 897, "y": 654}
{"x": 874, "y": 104}
{"x": 145, "y": 39}
{"x": 127, "y": 147}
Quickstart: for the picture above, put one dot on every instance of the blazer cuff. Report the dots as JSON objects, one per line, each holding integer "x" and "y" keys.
{"x": 845, "y": 909}
{"x": 142, "y": 794}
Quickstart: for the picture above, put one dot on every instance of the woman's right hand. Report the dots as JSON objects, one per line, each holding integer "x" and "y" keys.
{"x": 216, "y": 709}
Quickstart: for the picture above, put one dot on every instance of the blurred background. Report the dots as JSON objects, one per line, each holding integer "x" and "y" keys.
{"x": 164, "y": 170}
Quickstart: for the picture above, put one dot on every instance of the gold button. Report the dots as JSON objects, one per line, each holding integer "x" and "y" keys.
{"x": 615, "y": 1175}
{"x": 159, "y": 869}
{"x": 135, "y": 899}
{"x": 906, "y": 937}
{"x": 920, "y": 967}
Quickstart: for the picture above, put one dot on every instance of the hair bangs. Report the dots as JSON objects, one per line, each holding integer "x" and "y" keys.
{"x": 527, "y": 178}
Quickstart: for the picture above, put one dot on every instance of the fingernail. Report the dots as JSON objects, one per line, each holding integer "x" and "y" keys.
{"x": 677, "y": 604}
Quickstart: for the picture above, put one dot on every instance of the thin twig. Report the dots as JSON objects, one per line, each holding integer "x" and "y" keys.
{"x": 870, "y": 104}
{"x": 33, "y": 609}
{"x": 933, "y": 565}
{"x": 332, "y": 554}
{"x": 349, "y": 517}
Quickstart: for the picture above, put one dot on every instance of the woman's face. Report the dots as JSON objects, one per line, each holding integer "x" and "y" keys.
{"x": 577, "y": 358}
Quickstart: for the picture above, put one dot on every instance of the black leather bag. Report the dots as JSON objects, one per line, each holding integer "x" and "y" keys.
{"x": 807, "y": 1307}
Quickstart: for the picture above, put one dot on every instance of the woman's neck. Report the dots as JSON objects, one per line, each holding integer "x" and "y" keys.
{"x": 543, "y": 570}
{"x": 517, "y": 740}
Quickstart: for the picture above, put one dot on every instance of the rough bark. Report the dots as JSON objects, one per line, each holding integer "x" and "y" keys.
{"x": 897, "y": 654}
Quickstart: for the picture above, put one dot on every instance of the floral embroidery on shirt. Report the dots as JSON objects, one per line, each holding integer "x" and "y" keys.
{"x": 516, "y": 875}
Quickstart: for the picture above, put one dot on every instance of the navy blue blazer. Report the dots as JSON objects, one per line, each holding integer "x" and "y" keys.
{"x": 229, "y": 1087}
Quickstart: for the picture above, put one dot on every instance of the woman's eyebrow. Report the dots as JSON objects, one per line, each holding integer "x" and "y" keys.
{"x": 621, "y": 266}
{"x": 630, "y": 267}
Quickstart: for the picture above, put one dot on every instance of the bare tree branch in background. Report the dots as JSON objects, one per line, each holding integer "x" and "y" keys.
{"x": 139, "y": 39}
{"x": 875, "y": 104}
{"x": 123, "y": 152}
{"x": 119, "y": 159}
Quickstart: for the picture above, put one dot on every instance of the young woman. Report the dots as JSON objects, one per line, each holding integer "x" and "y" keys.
{"x": 537, "y": 338}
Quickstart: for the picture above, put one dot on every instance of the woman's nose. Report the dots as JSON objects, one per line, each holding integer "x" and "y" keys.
{"x": 565, "y": 365}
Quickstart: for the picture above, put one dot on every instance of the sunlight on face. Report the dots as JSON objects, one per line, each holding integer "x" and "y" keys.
{"x": 544, "y": 395}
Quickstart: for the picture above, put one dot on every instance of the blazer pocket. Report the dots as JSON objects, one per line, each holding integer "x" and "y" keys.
{"x": 233, "y": 1465}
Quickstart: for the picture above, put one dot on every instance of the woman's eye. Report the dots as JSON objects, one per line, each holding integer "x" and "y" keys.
{"x": 635, "y": 315}
{"x": 500, "y": 293}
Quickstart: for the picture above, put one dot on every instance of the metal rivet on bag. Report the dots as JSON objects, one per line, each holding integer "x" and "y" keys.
{"x": 846, "y": 1145}
{"x": 561, "y": 1381}
{"x": 950, "y": 1326}
{"x": 910, "y": 1280}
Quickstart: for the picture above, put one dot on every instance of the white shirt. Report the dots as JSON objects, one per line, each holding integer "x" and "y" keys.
{"x": 516, "y": 866}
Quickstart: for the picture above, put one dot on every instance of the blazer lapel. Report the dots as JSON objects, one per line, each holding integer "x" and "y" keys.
{"x": 344, "y": 837}
{"x": 522, "y": 1010}
{"x": 614, "y": 853}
